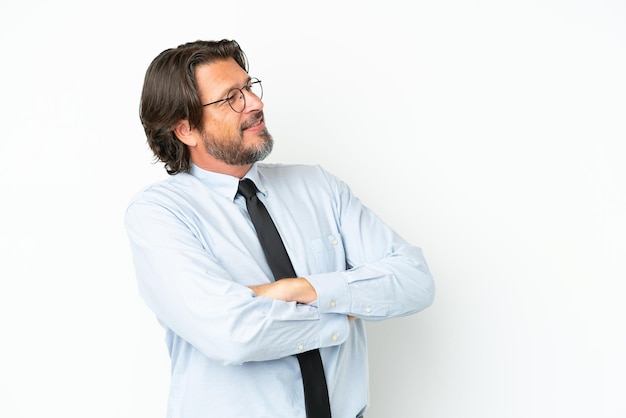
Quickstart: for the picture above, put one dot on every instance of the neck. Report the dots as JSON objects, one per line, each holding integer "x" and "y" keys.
{"x": 221, "y": 167}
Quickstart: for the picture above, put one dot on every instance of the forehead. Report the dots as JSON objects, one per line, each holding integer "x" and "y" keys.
{"x": 219, "y": 76}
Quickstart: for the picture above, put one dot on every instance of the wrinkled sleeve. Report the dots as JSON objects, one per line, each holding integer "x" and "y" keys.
{"x": 386, "y": 277}
{"x": 192, "y": 295}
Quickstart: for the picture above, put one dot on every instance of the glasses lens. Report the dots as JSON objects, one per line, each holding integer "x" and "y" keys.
{"x": 236, "y": 100}
{"x": 256, "y": 88}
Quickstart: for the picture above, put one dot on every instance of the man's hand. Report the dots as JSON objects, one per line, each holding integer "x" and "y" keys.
{"x": 289, "y": 290}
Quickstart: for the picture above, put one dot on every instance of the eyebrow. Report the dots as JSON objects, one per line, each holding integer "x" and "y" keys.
{"x": 225, "y": 91}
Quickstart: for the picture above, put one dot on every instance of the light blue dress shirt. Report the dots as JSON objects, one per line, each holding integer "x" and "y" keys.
{"x": 195, "y": 252}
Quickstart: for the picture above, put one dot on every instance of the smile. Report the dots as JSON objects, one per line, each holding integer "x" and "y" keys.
{"x": 257, "y": 120}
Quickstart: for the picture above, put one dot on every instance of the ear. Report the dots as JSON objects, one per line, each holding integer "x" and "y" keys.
{"x": 185, "y": 134}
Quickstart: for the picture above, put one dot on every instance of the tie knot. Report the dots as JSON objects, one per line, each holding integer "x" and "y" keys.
{"x": 247, "y": 188}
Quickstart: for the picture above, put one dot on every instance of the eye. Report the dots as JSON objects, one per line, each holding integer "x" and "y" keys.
{"x": 234, "y": 95}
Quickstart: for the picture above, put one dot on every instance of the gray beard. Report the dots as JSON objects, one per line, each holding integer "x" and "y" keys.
{"x": 233, "y": 153}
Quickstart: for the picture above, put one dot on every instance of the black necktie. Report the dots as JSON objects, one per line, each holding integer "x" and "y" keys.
{"x": 315, "y": 391}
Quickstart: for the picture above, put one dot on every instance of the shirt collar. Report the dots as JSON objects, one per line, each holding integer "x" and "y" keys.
{"x": 225, "y": 184}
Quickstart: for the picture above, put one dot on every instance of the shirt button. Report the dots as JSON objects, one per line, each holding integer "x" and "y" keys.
{"x": 334, "y": 337}
{"x": 333, "y": 303}
{"x": 300, "y": 347}
{"x": 368, "y": 310}
{"x": 334, "y": 242}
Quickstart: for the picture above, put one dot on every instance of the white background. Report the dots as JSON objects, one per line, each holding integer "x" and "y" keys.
{"x": 490, "y": 133}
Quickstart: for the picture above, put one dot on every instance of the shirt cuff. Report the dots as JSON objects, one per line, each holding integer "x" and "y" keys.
{"x": 333, "y": 292}
{"x": 335, "y": 329}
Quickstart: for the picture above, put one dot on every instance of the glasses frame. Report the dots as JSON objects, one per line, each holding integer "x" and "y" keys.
{"x": 247, "y": 87}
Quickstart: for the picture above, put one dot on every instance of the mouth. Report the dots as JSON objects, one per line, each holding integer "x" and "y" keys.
{"x": 253, "y": 122}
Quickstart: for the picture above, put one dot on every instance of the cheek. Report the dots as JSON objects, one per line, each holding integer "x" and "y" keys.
{"x": 226, "y": 127}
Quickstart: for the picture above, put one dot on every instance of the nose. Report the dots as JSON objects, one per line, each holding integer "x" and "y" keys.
{"x": 253, "y": 102}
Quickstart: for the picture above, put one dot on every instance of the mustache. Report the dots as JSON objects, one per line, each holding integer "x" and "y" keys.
{"x": 253, "y": 120}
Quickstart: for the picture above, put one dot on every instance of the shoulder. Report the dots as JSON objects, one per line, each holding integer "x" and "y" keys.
{"x": 163, "y": 191}
{"x": 302, "y": 180}
{"x": 294, "y": 173}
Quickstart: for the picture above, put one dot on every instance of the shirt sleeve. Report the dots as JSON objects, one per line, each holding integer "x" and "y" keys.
{"x": 192, "y": 294}
{"x": 386, "y": 277}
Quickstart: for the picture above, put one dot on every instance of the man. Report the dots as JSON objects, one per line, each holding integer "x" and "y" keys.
{"x": 235, "y": 334}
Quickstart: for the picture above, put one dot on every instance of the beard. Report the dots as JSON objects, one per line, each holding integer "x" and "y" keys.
{"x": 233, "y": 151}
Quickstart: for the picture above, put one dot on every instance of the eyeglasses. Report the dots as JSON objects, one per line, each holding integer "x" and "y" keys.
{"x": 237, "y": 99}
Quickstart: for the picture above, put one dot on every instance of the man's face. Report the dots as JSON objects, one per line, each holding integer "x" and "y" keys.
{"x": 231, "y": 137}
